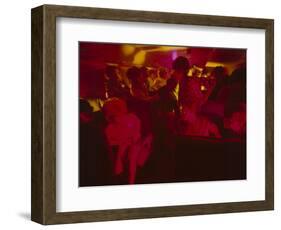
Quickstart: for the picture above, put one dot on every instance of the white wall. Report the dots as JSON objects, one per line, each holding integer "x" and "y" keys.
{"x": 15, "y": 113}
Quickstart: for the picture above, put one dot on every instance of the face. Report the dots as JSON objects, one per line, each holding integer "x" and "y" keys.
{"x": 141, "y": 78}
{"x": 163, "y": 74}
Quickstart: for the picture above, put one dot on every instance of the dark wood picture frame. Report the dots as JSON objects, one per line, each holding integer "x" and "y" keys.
{"x": 43, "y": 197}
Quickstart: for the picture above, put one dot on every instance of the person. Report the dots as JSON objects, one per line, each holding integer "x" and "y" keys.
{"x": 114, "y": 85}
{"x": 234, "y": 98}
{"x": 235, "y": 121}
{"x": 138, "y": 80}
{"x": 234, "y": 91}
{"x": 93, "y": 161}
{"x": 219, "y": 74}
{"x": 97, "y": 90}
{"x": 158, "y": 79}
{"x": 151, "y": 80}
{"x": 85, "y": 111}
{"x": 163, "y": 76}
{"x": 192, "y": 121}
{"x": 213, "y": 107}
{"x": 169, "y": 94}
{"x": 123, "y": 135}
{"x": 140, "y": 100}
{"x": 166, "y": 109}
{"x": 195, "y": 124}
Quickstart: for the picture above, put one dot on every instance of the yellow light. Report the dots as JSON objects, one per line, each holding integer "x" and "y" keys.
{"x": 96, "y": 104}
{"x": 167, "y": 48}
{"x": 139, "y": 58}
{"x": 213, "y": 64}
{"x": 128, "y": 49}
{"x": 203, "y": 88}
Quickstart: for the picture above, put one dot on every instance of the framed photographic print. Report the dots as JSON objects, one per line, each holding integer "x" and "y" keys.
{"x": 140, "y": 114}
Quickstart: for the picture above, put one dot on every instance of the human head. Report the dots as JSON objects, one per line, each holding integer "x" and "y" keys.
{"x": 144, "y": 72}
{"x": 181, "y": 64}
{"x": 219, "y": 73}
{"x": 163, "y": 73}
{"x": 114, "y": 108}
{"x": 112, "y": 72}
{"x": 85, "y": 111}
{"x": 134, "y": 74}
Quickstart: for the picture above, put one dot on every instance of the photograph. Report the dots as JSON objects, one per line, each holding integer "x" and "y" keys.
{"x": 149, "y": 114}
{"x": 161, "y": 113}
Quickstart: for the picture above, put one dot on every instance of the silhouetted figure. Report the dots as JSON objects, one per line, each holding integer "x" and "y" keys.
{"x": 234, "y": 98}
{"x": 93, "y": 160}
{"x": 114, "y": 84}
{"x": 138, "y": 79}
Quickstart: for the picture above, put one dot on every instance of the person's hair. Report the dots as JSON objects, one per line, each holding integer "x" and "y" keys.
{"x": 144, "y": 70}
{"x": 109, "y": 70}
{"x": 162, "y": 72}
{"x": 114, "y": 107}
{"x": 219, "y": 73}
{"x": 181, "y": 63}
{"x": 238, "y": 75}
{"x": 85, "y": 106}
{"x": 133, "y": 73}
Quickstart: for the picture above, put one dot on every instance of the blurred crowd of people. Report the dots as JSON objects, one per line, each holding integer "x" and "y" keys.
{"x": 144, "y": 106}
